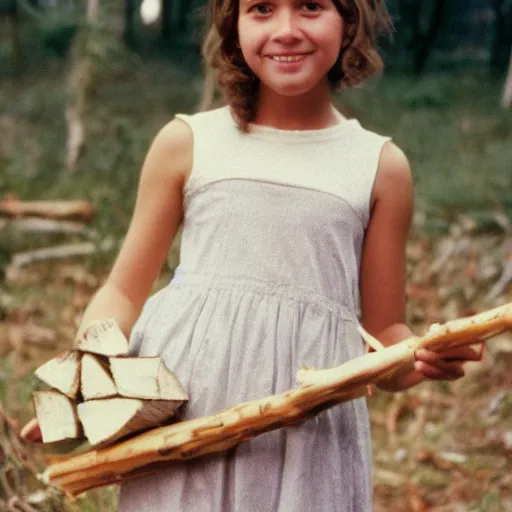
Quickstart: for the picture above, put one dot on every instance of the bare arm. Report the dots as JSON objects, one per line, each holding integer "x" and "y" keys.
{"x": 156, "y": 218}
{"x": 383, "y": 275}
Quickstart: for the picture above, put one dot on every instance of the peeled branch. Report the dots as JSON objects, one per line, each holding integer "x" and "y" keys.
{"x": 318, "y": 390}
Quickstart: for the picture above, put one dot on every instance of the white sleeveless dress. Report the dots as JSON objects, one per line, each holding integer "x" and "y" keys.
{"x": 268, "y": 282}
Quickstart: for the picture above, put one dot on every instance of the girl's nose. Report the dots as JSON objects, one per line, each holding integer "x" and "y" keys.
{"x": 287, "y": 27}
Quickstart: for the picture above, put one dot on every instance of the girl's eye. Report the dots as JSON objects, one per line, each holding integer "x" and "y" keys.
{"x": 261, "y": 8}
{"x": 312, "y": 6}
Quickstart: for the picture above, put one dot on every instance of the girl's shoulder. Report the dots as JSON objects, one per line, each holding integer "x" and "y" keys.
{"x": 394, "y": 176}
{"x": 360, "y": 130}
{"x": 207, "y": 119}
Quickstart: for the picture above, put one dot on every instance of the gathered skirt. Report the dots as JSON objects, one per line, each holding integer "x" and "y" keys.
{"x": 230, "y": 340}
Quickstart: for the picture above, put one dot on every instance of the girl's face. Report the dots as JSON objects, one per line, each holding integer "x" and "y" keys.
{"x": 290, "y": 45}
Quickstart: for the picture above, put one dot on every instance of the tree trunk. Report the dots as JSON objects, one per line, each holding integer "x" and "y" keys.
{"x": 129, "y": 23}
{"x": 81, "y": 80}
{"x": 426, "y": 42}
{"x": 507, "y": 91}
{"x": 9, "y": 9}
{"x": 166, "y": 28}
{"x": 502, "y": 35}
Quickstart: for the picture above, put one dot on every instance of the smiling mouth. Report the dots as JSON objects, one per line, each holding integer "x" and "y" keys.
{"x": 289, "y": 58}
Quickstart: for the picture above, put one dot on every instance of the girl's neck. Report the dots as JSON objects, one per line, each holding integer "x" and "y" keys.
{"x": 310, "y": 111}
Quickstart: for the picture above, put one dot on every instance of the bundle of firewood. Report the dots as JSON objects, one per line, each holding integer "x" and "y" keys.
{"x": 317, "y": 390}
{"x": 97, "y": 391}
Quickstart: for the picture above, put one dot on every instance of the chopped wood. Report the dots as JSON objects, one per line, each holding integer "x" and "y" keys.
{"x": 318, "y": 391}
{"x": 146, "y": 377}
{"x": 74, "y": 209}
{"x": 96, "y": 379}
{"x": 107, "y": 420}
{"x": 56, "y": 415}
{"x": 62, "y": 373}
{"x": 105, "y": 338}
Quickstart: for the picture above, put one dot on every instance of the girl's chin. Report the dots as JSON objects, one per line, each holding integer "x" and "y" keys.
{"x": 291, "y": 88}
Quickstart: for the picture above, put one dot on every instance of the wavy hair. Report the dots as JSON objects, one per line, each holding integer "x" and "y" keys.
{"x": 364, "y": 21}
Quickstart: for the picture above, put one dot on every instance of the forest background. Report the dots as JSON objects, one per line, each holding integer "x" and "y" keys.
{"x": 84, "y": 87}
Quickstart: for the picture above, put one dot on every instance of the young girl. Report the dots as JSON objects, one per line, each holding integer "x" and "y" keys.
{"x": 295, "y": 223}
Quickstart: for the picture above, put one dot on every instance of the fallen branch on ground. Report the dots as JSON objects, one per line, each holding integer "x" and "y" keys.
{"x": 50, "y": 226}
{"x": 73, "y": 209}
{"x": 59, "y": 252}
{"x": 318, "y": 390}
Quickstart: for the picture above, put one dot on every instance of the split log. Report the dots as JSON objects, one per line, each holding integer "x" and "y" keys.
{"x": 318, "y": 390}
{"x": 62, "y": 373}
{"x": 146, "y": 377}
{"x": 73, "y": 209}
{"x": 108, "y": 420}
{"x": 96, "y": 379}
{"x": 105, "y": 338}
{"x": 56, "y": 415}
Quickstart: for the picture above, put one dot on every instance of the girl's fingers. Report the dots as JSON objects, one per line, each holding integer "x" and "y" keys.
{"x": 31, "y": 433}
{"x": 441, "y": 371}
{"x": 452, "y": 354}
{"x": 446, "y": 364}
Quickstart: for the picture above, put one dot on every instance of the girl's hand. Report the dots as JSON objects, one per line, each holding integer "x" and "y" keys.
{"x": 31, "y": 433}
{"x": 446, "y": 364}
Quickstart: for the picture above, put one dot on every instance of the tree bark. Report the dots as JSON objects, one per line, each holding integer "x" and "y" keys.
{"x": 426, "y": 41}
{"x": 81, "y": 80}
{"x": 502, "y": 35}
{"x": 166, "y": 28}
{"x": 129, "y": 23}
{"x": 507, "y": 91}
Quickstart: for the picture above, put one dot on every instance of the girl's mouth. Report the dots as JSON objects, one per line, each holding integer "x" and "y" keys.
{"x": 289, "y": 58}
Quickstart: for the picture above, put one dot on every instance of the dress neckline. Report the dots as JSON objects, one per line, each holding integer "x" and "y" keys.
{"x": 280, "y": 135}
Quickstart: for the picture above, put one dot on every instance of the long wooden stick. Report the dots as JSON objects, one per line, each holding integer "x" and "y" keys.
{"x": 318, "y": 390}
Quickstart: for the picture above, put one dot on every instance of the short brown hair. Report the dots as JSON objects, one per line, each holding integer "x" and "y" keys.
{"x": 364, "y": 21}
